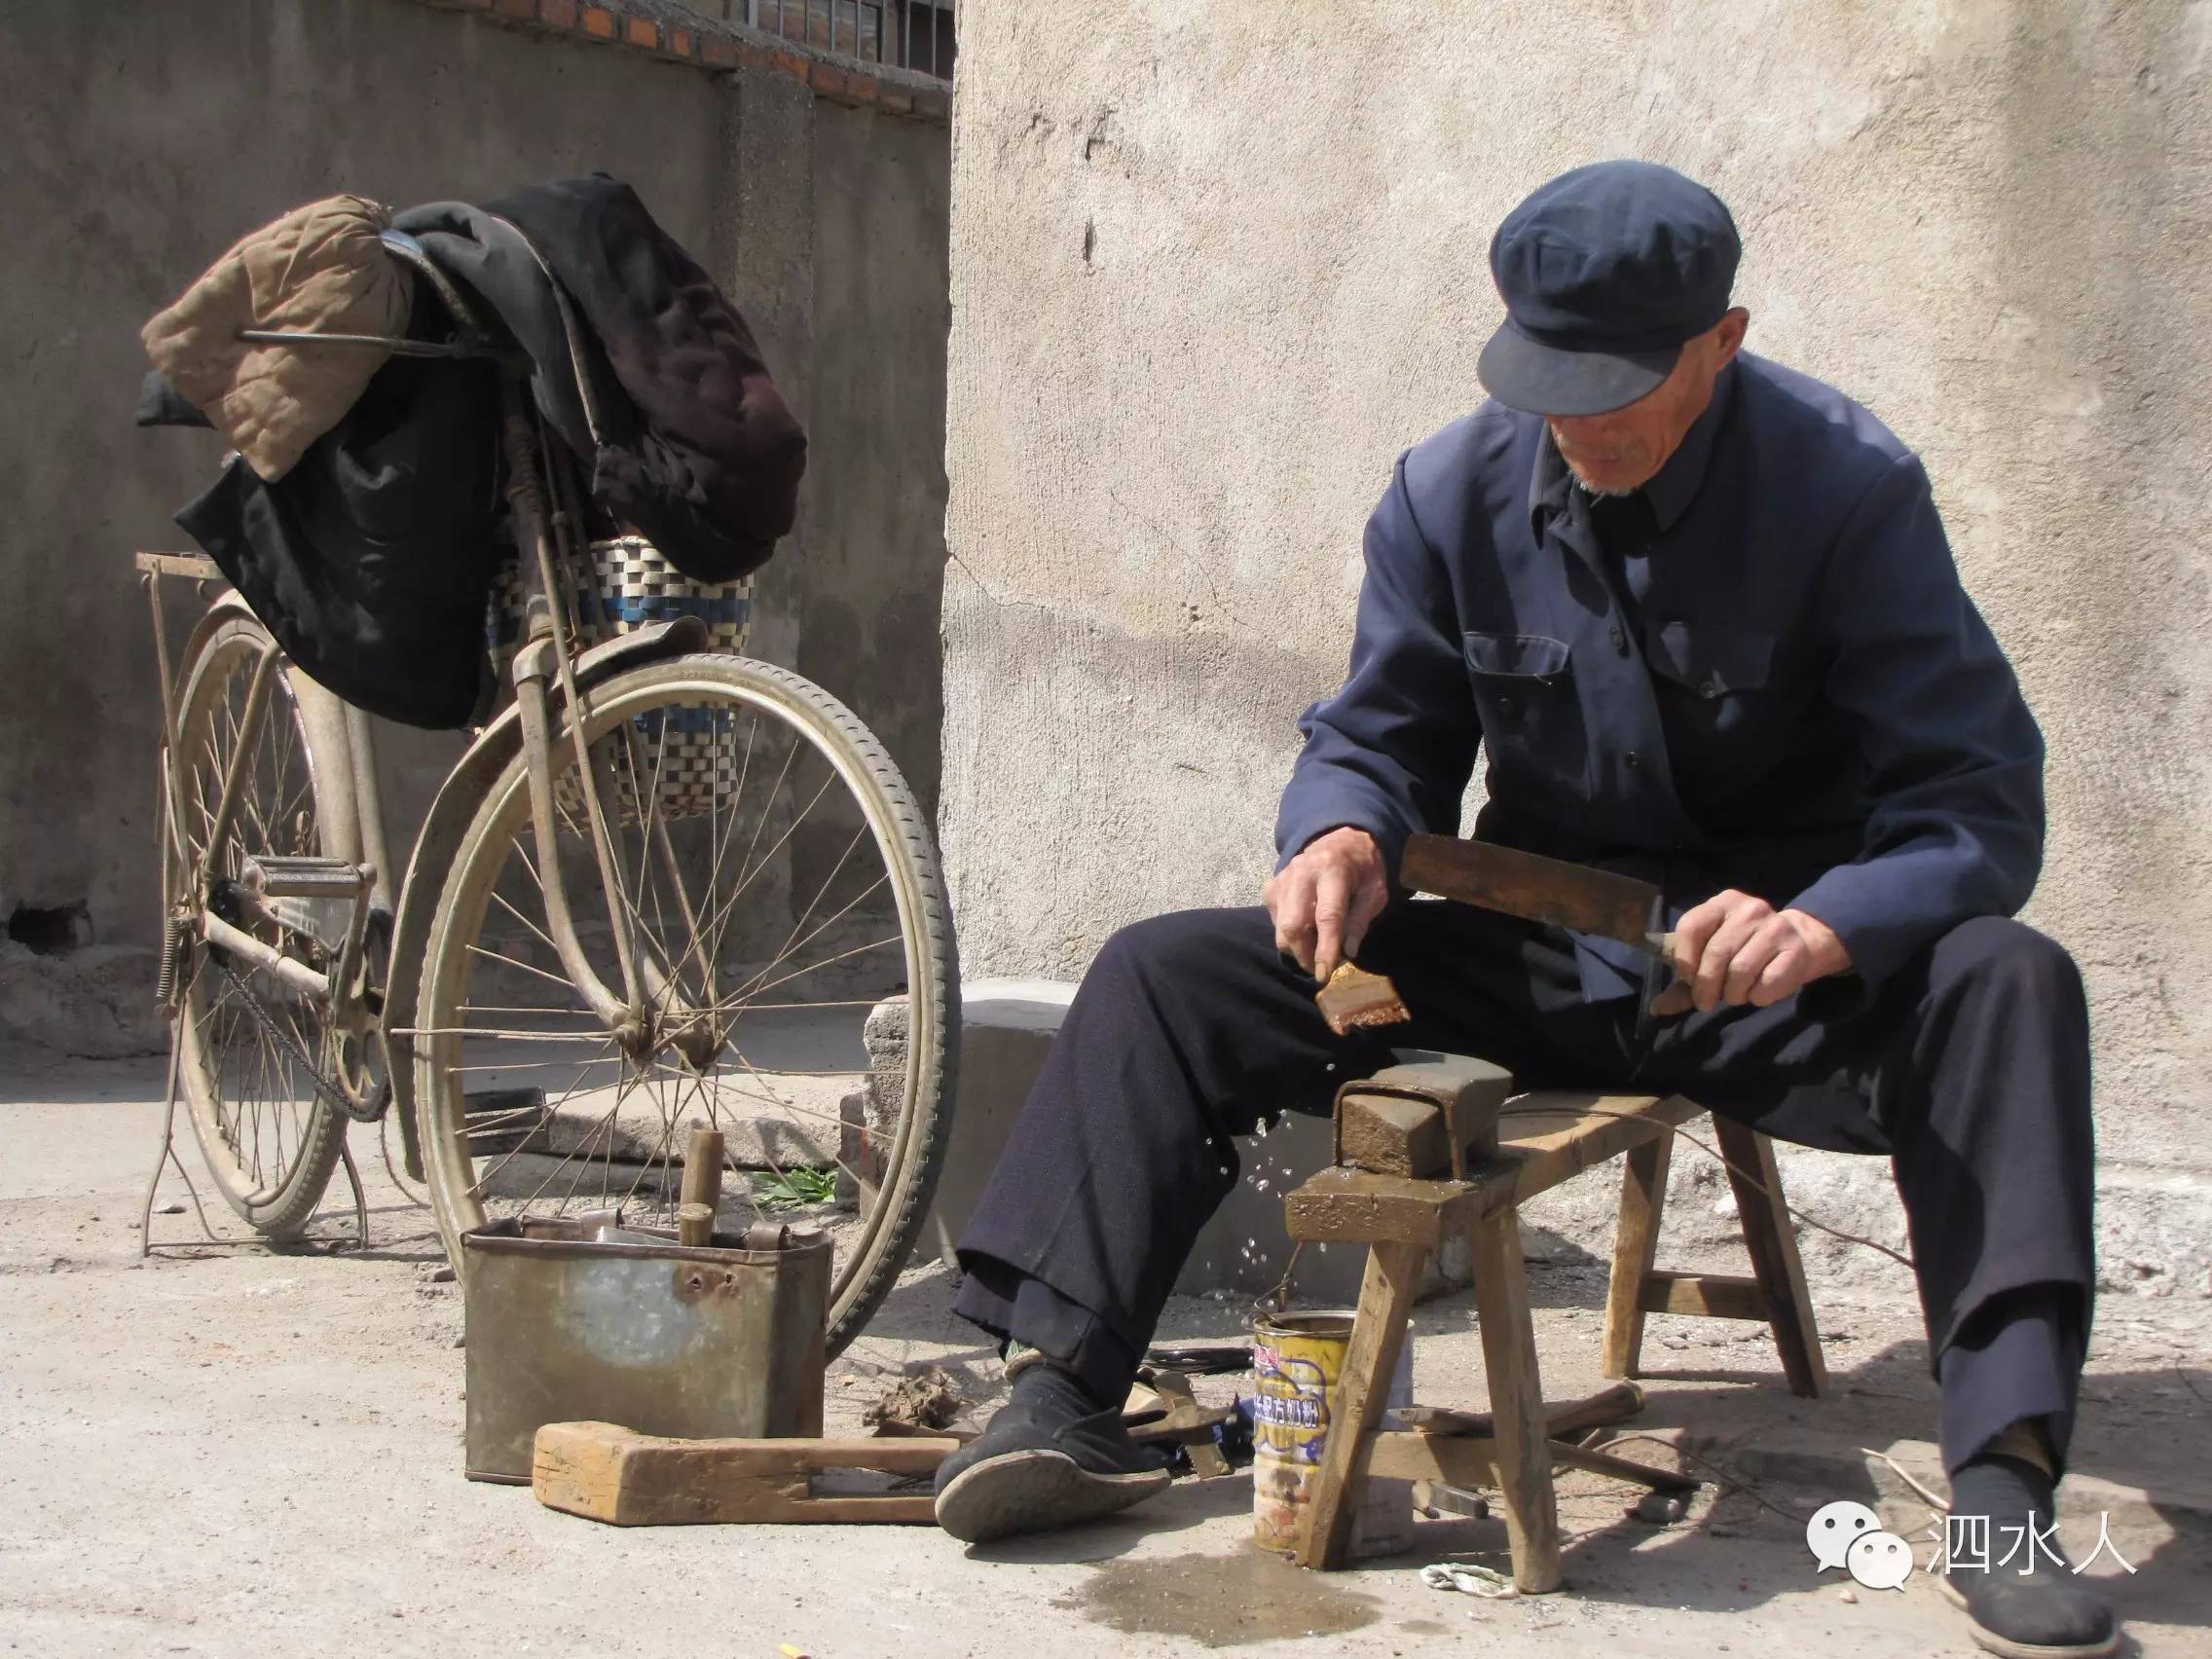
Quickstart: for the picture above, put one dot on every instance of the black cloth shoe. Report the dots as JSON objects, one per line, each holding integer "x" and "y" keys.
{"x": 1051, "y": 1457}
{"x": 2045, "y": 1614}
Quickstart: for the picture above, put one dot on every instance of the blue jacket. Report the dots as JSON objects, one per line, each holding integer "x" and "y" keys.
{"x": 1784, "y": 690}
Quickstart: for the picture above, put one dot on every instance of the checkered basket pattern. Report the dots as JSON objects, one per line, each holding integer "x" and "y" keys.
{"x": 685, "y": 755}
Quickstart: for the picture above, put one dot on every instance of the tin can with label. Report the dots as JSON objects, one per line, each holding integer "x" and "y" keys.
{"x": 1297, "y": 1361}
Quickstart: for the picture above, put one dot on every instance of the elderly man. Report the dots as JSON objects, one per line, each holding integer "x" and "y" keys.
{"x": 1699, "y": 612}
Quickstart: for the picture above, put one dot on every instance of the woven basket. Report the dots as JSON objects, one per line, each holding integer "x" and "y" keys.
{"x": 684, "y": 754}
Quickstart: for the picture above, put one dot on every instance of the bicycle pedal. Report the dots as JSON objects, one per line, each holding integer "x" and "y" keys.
{"x": 274, "y": 875}
{"x": 321, "y": 897}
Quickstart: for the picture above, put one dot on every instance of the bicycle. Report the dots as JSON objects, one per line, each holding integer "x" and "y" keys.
{"x": 605, "y": 935}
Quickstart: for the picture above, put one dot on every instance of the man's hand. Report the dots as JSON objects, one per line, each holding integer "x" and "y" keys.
{"x": 1324, "y": 900}
{"x": 1734, "y": 948}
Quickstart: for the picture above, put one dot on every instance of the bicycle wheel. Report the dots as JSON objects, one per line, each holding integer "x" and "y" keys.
{"x": 248, "y": 1040}
{"x": 781, "y": 893}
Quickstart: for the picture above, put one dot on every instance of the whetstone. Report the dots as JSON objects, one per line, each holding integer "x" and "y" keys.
{"x": 1394, "y": 1137}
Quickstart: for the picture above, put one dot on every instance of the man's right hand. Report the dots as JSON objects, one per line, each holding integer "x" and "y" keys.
{"x": 1325, "y": 899}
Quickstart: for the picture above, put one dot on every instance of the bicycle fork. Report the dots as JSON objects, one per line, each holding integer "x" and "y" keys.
{"x": 544, "y": 660}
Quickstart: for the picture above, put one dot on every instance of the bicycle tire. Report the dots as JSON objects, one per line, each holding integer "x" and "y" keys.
{"x": 277, "y": 1208}
{"x": 903, "y": 838}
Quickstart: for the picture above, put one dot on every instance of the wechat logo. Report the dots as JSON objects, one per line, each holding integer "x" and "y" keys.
{"x": 1849, "y": 1536}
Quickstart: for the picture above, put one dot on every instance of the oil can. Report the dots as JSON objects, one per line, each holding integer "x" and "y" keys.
{"x": 577, "y": 1320}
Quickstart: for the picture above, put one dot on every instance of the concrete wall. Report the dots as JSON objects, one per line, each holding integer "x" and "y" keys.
{"x": 1215, "y": 266}
{"x": 146, "y": 135}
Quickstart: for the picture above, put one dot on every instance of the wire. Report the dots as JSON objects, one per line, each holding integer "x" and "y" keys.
{"x": 1730, "y": 1165}
{"x": 1728, "y": 1479}
{"x": 1898, "y": 1469}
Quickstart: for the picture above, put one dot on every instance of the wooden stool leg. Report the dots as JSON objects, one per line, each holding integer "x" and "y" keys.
{"x": 1377, "y": 1334}
{"x": 1773, "y": 1248}
{"x": 1521, "y": 1451}
{"x": 1636, "y": 1243}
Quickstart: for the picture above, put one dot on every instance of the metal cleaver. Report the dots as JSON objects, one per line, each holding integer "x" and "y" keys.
{"x": 1545, "y": 890}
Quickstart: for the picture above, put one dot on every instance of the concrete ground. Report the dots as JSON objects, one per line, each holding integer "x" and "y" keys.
{"x": 226, "y": 1450}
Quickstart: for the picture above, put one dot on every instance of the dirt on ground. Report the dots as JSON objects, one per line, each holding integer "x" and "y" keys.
{"x": 226, "y": 1449}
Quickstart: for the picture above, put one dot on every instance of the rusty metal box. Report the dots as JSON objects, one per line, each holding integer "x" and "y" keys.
{"x": 575, "y": 1320}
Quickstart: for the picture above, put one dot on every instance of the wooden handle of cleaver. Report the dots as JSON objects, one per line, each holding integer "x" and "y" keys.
{"x": 702, "y": 1190}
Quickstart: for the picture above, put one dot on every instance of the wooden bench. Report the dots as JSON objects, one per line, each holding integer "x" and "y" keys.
{"x": 1542, "y": 1140}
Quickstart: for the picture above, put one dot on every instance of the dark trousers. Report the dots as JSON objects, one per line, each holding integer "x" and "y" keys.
{"x": 1970, "y": 1069}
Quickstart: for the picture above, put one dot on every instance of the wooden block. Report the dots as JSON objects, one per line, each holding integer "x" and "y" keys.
{"x": 1393, "y": 1136}
{"x": 1710, "y": 1295}
{"x": 1355, "y": 1207}
{"x": 608, "y": 1473}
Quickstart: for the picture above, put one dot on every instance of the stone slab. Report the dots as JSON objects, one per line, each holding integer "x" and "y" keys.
{"x": 1007, "y": 1029}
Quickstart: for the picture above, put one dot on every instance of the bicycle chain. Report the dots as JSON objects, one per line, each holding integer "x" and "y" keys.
{"x": 330, "y": 1093}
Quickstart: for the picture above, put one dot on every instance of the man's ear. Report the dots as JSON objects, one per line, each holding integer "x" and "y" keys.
{"x": 1728, "y": 336}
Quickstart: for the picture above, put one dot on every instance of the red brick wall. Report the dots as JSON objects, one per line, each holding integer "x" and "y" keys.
{"x": 849, "y": 77}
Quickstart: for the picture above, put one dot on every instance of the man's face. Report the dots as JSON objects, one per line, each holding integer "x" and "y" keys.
{"x": 1624, "y": 449}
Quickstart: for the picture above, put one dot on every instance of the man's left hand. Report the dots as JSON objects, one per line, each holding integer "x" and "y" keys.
{"x": 1735, "y": 948}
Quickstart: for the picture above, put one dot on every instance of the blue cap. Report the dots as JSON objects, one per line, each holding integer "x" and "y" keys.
{"x": 1606, "y": 272}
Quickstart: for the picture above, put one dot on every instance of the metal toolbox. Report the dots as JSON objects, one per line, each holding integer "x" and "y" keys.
{"x": 583, "y": 1320}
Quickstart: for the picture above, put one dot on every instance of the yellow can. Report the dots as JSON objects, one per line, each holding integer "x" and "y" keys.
{"x": 1297, "y": 1361}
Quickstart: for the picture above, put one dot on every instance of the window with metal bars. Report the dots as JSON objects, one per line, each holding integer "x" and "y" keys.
{"x": 912, "y": 34}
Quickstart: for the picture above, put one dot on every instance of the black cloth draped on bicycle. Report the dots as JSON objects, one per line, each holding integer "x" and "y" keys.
{"x": 371, "y": 561}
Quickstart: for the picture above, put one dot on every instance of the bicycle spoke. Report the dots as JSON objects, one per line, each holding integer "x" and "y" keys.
{"x": 746, "y": 869}
{"x": 737, "y": 794}
{"x": 836, "y": 1158}
{"x": 537, "y": 1065}
{"x": 607, "y": 1122}
{"x": 544, "y": 1115}
{"x": 661, "y": 1151}
{"x": 831, "y": 961}
{"x": 496, "y": 1034}
{"x": 496, "y": 957}
{"x": 789, "y": 947}
{"x": 775, "y": 1101}
{"x": 573, "y": 1009}
{"x": 500, "y": 900}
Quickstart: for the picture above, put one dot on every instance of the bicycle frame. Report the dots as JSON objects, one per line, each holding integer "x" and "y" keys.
{"x": 350, "y": 800}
